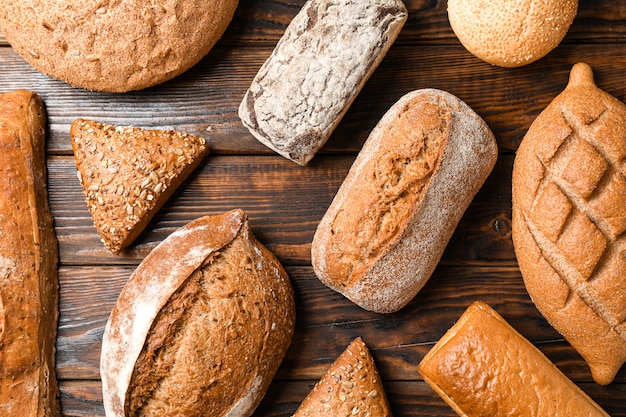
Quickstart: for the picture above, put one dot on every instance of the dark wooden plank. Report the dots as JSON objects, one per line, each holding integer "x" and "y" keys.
{"x": 204, "y": 100}
{"x": 284, "y": 202}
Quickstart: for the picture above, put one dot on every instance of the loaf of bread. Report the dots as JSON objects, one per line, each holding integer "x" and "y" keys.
{"x": 28, "y": 263}
{"x": 318, "y": 67}
{"x": 569, "y": 218}
{"x": 201, "y": 326}
{"x": 114, "y": 45}
{"x": 350, "y": 387}
{"x": 128, "y": 173}
{"x": 512, "y": 33}
{"x": 388, "y": 225}
{"x": 483, "y": 367}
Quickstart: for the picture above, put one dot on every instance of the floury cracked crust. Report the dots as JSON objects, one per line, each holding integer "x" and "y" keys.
{"x": 201, "y": 326}
{"x": 114, "y": 45}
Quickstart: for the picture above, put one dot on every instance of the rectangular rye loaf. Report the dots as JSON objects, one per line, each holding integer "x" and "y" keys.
{"x": 28, "y": 263}
{"x": 326, "y": 55}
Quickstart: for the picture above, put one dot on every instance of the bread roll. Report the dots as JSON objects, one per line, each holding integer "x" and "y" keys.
{"x": 483, "y": 367}
{"x": 388, "y": 225}
{"x": 350, "y": 387}
{"x": 326, "y": 55}
{"x": 201, "y": 326}
{"x": 28, "y": 263}
{"x": 128, "y": 173}
{"x": 114, "y": 45}
{"x": 569, "y": 218}
{"x": 511, "y": 33}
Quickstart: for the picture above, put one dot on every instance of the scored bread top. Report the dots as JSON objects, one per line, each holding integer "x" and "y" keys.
{"x": 350, "y": 387}
{"x": 114, "y": 45}
{"x": 569, "y": 218}
{"x": 483, "y": 367}
{"x": 127, "y": 174}
{"x": 201, "y": 326}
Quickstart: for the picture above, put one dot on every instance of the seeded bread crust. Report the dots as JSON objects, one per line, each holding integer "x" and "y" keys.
{"x": 28, "y": 263}
{"x": 569, "y": 219}
{"x": 387, "y": 227}
{"x": 317, "y": 69}
{"x": 483, "y": 367}
{"x": 114, "y": 45}
{"x": 350, "y": 387}
{"x": 128, "y": 173}
{"x": 201, "y": 326}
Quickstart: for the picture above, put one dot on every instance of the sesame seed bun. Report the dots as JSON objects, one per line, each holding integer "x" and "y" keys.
{"x": 511, "y": 33}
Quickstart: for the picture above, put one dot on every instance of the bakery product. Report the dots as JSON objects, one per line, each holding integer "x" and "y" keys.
{"x": 387, "y": 227}
{"x": 318, "y": 67}
{"x": 201, "y": 326}
{"x": 483, "y": 367}
{"x": 350, "y": 387}
{"x": 28, "y": 263}
{"x": 569, "y": 218}
{"x": 512, "y": 33}
{"x": 114, "y": 45}
{"x": 128, "y": 173}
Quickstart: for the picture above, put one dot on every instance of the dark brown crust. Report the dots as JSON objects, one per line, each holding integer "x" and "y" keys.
{"x": 569, "y": 218}
{"x": 28, "y": 263}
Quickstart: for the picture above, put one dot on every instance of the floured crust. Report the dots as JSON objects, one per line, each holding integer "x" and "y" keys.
{"x": 128, "y": 173}
{"x": 28, "y": 263}
{"x": 317, "y": 69}
{"x": 387, "y": 227}
{"x": 206, "y": 294}
{"x": 483, "y": 367}
{"x": 114, "y": 45}
{"x": 350, "y": 387}
{"x": 569, "y": 218}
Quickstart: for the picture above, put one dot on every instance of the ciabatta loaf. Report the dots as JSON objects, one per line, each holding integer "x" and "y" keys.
{"x": 128, "y": 173}
{"x": 388, "y": 225}
{"x": 484, "y": 367}
{"x": 28, "y": 263}
{"x": 317, "y": 69}
{"x": 350, "y": 387}
{"x": 201, "y": 326}
{"x": 569, "y": 218}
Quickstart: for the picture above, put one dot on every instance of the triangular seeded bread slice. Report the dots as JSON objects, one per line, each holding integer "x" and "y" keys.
{"x": 351, "y": 387}
{"x": 127, "y": 173}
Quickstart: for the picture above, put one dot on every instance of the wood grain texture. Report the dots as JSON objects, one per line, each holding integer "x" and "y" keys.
{"x": 285, "y": 202}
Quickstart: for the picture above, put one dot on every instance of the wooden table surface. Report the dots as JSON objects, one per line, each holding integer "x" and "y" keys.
{"x": 285, "y": 201}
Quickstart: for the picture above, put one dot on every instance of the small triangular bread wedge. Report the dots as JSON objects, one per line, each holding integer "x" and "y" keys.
{"x": 569, "y": 220}
{"x": 351, "y": 387}
{"x": 128, "y": 173}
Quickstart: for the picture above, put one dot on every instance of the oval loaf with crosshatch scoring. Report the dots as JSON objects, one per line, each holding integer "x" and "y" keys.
{"x": 569, "y": 218}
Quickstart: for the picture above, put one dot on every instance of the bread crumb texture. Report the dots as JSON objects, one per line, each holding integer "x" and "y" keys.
{"x": 511, "y": 33}
{"x": 128, "y": 172}
{"x": 350, "y": 387}
{"x": 569, "y": 219}
{"x": 114, "y": 45}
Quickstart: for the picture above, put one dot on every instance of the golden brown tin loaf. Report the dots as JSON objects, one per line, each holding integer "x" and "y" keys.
{"x": 114, "y": 45}
{"x": 483, "y": 367}
{"x": 350, "y": 387}
{"x": 569, "y": 218}
{"x": 28, "y": 263}
{"x": 201, "y": 326}
{"x": 387, "y": 227}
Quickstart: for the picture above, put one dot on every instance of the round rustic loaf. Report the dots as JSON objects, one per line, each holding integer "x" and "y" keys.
{"x": 511, "y": 33}
{"x": 114, "y": 45}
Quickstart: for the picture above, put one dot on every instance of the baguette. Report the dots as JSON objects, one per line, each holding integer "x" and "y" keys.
{"x": 387, "y": 227}
{"x": 569, "y": 219}
{"x": 28, "y": 263}
{"x": 317, "y": 69}
{"x": 201, "y": 326}
{"x": 350, "y": 387}
{"x": 483, "y": 367}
